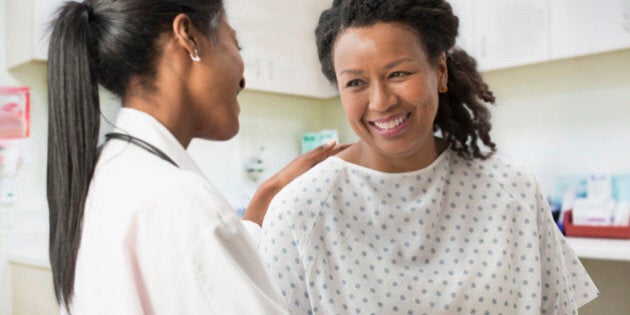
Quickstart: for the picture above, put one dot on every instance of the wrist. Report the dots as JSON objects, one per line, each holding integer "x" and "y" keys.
{"x": 271, "y": 186}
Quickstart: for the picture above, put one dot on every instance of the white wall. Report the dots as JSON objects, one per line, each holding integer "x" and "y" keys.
{"x": 570, "y": 116}
{"x": 335, "y": 118}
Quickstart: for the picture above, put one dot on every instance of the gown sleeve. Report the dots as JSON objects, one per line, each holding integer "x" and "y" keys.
{"x": 565, "y": 284}
{"x": 189, "y": 254}
{"x": 280, "y": 248}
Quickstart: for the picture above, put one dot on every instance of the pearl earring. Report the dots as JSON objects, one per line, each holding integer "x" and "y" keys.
{"x": 195, "y": 57}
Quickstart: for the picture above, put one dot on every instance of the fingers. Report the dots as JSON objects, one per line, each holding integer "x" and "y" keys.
{"x": 328, "y": 145}
{"x": 332, "y": 148}
{"x": 323, "y": 151}
{"x": 305, "y": 161}
{"x": 319, "y": 154}
{"x": 340, "y": 147}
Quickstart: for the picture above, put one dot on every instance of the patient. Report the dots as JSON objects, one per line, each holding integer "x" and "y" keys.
{"x": 419, "y": 216}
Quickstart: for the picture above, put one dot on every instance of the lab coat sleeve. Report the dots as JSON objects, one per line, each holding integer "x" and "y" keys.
{"x": 253, "y": 229}
{"x": 565, "y": 284}
{"x": 189, "y": 254}
{"x": 280, "y": 248}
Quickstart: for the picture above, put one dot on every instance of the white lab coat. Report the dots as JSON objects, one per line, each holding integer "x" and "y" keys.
{"x": 158, "y": 239}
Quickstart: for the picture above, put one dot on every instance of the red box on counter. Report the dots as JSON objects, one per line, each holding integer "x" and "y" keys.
{"x": 622, "y": 232}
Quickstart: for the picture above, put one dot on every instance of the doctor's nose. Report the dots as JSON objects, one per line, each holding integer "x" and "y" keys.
{"x": 241, "y": 84}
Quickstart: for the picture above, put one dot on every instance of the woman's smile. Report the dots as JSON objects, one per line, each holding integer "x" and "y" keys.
{"x": 392, "y": 125}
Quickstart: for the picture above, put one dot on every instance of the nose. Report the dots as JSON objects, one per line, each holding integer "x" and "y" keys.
{"x": 381, "y": 97}
{"x": 241, "y": 84}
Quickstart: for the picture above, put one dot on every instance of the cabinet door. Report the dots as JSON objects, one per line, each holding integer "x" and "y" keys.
{"x": 278, "y": 45}
{"x": 465, "y": 10}
{"x": 511, "y": 32}
{"x": 27, "y": 30}
{"x": 588, "y": 26}
{"x": 43, "y": 14}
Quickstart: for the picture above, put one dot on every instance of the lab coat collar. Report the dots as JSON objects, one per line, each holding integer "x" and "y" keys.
{"x": 144, "y": 126}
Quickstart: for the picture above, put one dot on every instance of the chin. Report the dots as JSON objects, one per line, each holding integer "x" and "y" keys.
{"x": 233, "y": 132}
{"x": 227, "y": 136}
{"x": 222, "y": 135}
{"x": 400, "y": 149}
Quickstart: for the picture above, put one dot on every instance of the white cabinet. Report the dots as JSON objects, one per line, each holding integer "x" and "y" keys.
{"x": 588, "y": 26}
{"x": 465, "y": 11}
{"x": 278, "y": 45}
{"x": 26, "y": 30}
{"x": 511, "y": 33}
{"x": 32, "y": 289}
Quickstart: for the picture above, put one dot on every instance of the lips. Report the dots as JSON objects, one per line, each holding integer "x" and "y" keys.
{"x": 391, "y": 122}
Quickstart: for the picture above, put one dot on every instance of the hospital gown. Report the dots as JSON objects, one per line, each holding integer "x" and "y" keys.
{"x": 458, "y": 236}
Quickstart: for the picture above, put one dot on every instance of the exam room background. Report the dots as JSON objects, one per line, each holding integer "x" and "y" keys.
{"x": 562, "y": 117}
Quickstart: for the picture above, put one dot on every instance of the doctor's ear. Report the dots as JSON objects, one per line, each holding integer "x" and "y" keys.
{"x": 186, "y": 36}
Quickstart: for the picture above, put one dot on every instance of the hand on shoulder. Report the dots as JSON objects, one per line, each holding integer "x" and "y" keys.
{"x": 268, "y": 189}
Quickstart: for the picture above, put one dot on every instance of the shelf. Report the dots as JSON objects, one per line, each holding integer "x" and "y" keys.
{"x": 598, "y": 248}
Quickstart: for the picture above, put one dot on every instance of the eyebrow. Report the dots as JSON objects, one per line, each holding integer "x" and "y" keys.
{"x": 387, "y": 66}
{"x": 397, "y": 62}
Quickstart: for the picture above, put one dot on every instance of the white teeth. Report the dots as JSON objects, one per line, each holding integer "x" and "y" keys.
{"x": 390, "y": 124}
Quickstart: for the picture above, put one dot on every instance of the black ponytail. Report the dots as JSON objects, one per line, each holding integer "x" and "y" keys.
{"x": 107, "y": 43}
{"x": 73, "y": 125}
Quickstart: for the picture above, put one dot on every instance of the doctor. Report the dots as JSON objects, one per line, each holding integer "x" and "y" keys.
{"x": 137, "y": 228}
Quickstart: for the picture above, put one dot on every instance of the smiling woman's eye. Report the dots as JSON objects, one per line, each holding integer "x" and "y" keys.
{"x": 353, "y": 83}
{"x": 398, "y": 74}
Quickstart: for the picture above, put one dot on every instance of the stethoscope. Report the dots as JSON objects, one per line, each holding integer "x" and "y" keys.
{"x": 141, "y": 144}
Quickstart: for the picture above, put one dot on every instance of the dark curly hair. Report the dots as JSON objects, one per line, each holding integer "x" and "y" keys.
{"x": 462, "y": 116}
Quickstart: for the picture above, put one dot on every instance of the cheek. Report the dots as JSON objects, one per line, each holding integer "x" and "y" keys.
{"x": 238, "y": 63}
{"x": 423, "y": 95}
{"x": 353, "y": 107}
{"x": 230, "y": 68}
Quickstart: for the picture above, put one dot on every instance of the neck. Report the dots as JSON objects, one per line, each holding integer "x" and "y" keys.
{"x": 167, "y": 110}
{"x": 364, "y": 155}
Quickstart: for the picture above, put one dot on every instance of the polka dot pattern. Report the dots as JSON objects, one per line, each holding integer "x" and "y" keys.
{"x": 457, "y": 237}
